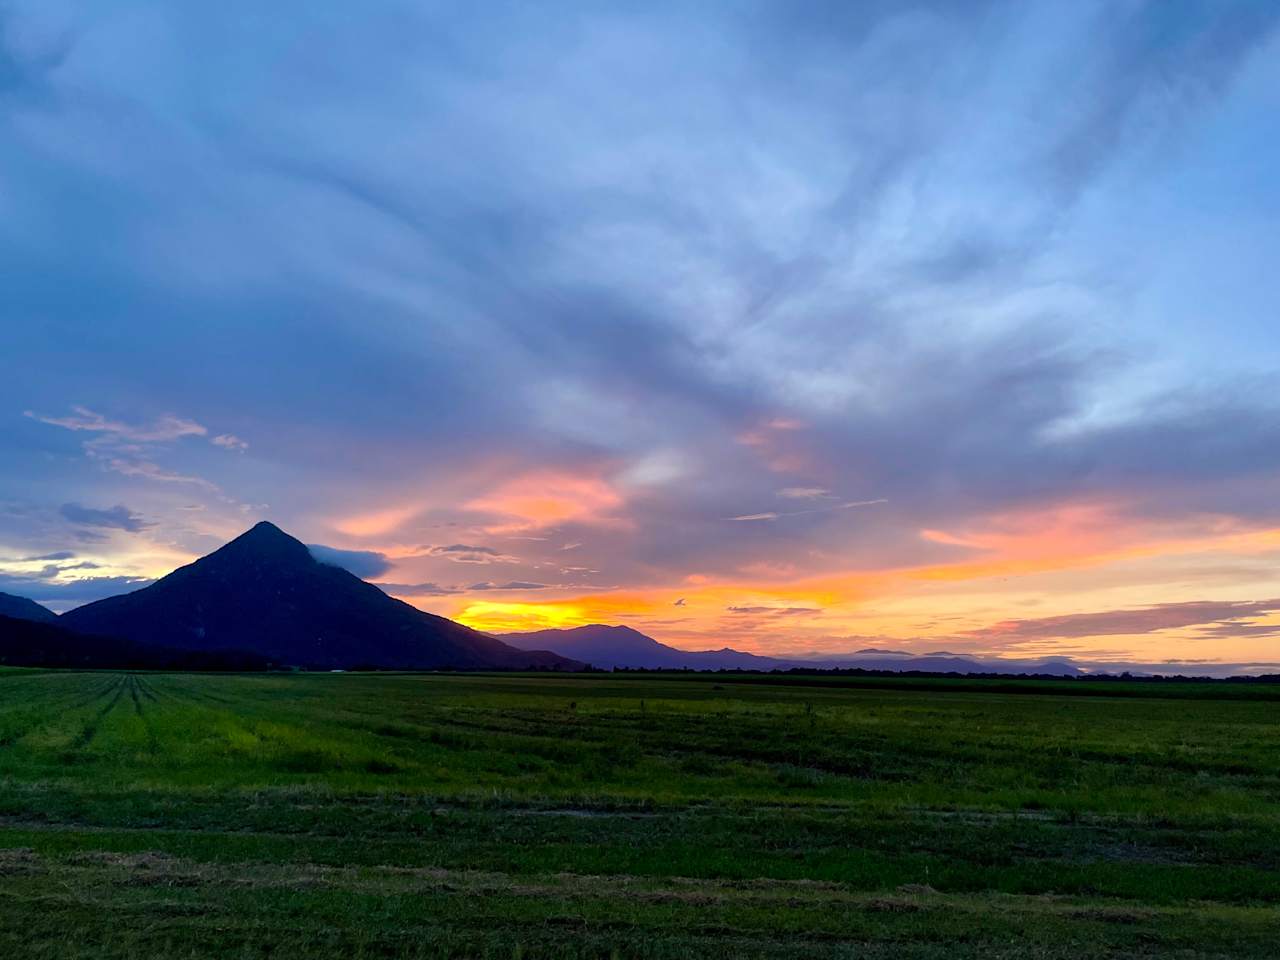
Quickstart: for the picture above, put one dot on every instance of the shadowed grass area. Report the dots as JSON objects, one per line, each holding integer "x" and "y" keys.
{"x": 437, "y": 815}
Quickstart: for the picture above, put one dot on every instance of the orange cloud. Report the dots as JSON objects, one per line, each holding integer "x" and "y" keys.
{"x": 772, "y": 440}
{"x": 1068, "y": 535}
{"x": 376, "y": 523}
{"x": 546, "y": 498}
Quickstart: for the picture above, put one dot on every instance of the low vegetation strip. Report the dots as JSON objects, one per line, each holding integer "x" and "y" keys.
{"x": 645, "y": 816}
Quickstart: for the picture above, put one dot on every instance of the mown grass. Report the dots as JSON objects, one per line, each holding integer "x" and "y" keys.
{"x": 433, "y": 815}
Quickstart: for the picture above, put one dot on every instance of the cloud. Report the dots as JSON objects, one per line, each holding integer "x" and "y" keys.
{"x": 229, "y": 441}
{"x": 118, "y": 517}
{"x": 774, "y": 515}
{"x": 1156, "y": 65}
{"x": 365, "y": 564}
{"x": 139, "y": 467}
{"x": 126, "y": 448}
{"x": 464, "y": 553}
{"x": 418, "y": 589}
{"x": 775, "y": 611}
{"x": 509, "y": 585}
{"x": 804, "y": 493}
{"x": 164, "y": 429}
{"x": 63, "y": 594}
{"x": 1223, "y": 618}
{"x": 59, "y": 555}
{"x": 546, "y": 498}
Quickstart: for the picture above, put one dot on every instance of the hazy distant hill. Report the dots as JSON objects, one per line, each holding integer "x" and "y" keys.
{"x": 264, "y": 592}
{"x": 20, "y": 608}
{"x": 611, "y": 647}
{"x": 939, "y": 662}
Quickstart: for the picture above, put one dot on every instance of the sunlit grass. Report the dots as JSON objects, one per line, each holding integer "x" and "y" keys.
{"x": 483, "y": 815}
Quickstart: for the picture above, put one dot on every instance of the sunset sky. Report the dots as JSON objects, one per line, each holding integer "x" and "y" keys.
{"x": 791, "y": 327}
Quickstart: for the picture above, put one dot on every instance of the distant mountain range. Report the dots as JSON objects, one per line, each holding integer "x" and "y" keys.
{"x": 265, "y": 599}
{"x": 614, "y": 647}
{"x": 610, "y": 647}
{"x": 266, "y": 594}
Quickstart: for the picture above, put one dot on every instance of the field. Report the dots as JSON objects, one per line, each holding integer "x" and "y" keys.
{"x": 289, "y": 816}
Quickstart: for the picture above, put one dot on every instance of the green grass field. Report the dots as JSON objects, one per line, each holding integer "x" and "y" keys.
{"x": 175, "y": 816}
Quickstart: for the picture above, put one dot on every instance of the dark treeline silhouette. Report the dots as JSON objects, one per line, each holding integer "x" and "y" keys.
{"x": 1097, "y": 684}
{"x": 27, "y": 643}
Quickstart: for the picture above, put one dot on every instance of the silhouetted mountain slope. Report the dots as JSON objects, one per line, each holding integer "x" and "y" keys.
{"x": 20, "y": 608}
{"x": 29, "y": 643}
{"x": 608, "y": 647}
{"x": 264, "y": 592}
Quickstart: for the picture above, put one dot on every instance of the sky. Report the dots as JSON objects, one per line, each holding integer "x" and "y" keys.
{"x": 796, "y": 328}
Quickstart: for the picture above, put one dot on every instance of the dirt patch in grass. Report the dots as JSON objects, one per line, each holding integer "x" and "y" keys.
{"x": 148, "y": 860}
{"x": 916, "y": 889}
{"x": 1106, "y": 915}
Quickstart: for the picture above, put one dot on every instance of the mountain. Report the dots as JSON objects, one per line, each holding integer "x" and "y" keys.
{"x": 28, "y": 643}
{"x": 264, "y": 592}
{"x": 610, "y": 647}
{"x": 940, "y": 661}
{"x": 20, "y": 608}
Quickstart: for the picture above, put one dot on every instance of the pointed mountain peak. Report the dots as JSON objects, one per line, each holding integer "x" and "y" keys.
{"x": 265, "y": 529}
{"x": 265, "y": 540}
{"x": 264, "y": 592}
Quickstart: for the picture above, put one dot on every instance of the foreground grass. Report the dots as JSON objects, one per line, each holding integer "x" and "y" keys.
{"x": 349, "y": 815}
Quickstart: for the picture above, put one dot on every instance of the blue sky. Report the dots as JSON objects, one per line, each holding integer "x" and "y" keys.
{"x": 968, "y": 305}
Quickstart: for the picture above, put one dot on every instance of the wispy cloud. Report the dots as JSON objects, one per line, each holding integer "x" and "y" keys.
{"x": 1223, "y": 618}
{"x": 418, "y": 589}
{"x": 127, "y": 448}
{"x": 775, "y": 515}
{"x": 466, "y": 553}
{"x": 775, "y": 611}
{"x": 229, "y": 441}
{"x": 804, "y": 493}
{"x": 162, "y": 430}
{"x": 149, "y": 470}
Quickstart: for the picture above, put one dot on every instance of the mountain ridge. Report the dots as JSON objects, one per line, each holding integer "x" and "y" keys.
{"x": 611, "y": 646}
{"x": 265, "y": 592}
{"x": 622, "y": 647}
{"x": 22, "y": 608}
